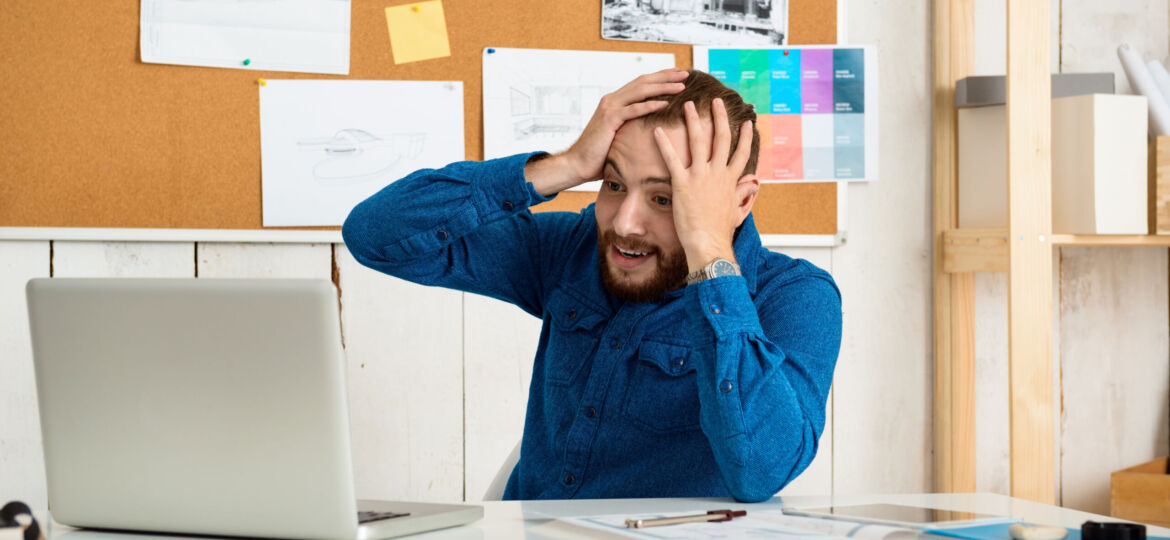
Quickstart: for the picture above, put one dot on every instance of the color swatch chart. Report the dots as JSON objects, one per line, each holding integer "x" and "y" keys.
{"x": 815, "y": 108}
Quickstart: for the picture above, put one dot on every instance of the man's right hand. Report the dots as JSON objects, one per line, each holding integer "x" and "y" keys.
{"x": 584, "y": 161}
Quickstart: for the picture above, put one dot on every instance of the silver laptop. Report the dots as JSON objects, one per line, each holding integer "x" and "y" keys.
{"x": 204, "y": 406}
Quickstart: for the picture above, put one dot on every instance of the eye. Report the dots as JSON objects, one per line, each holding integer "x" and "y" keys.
{"x": 613, "y": 186}
{"x": 662, "y": 201}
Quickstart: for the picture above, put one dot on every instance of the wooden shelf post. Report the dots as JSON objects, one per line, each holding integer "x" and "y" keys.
{"x": 954, "y": 293}
{"x": 1029, "y": 157}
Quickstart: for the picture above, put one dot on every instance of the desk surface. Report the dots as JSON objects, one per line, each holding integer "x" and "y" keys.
{"x": 533, "y": 520}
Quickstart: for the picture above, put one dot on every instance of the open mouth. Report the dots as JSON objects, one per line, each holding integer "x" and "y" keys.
{"x": 631, "y": 254}
{"x": 628, "y": 258}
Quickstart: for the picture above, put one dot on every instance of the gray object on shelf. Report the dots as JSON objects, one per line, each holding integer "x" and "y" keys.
{"x": 984, "y": 90}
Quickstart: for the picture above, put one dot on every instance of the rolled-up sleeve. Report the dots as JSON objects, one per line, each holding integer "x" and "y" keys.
{"x": 765, "y": 368}
{"x": 465, "y": 226}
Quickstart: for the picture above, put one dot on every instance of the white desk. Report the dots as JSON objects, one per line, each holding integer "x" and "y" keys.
{"x": 532, "y": 520}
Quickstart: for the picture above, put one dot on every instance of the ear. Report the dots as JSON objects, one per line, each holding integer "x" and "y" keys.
{"x": 746, "y": 191}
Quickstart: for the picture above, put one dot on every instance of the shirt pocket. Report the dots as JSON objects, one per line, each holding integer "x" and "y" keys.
{"x": 663, "y": 394}
{"x": 572, "y": 338}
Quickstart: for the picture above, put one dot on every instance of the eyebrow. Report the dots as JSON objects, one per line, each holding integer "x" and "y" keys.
{"x": 651, "y": 180}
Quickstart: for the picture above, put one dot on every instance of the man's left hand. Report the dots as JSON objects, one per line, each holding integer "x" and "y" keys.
{"x": 710, "y": 198}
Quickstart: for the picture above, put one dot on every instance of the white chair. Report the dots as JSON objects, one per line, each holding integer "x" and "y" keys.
{"x": 495, "y": 490}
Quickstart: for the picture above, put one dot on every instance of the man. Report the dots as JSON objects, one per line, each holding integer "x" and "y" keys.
{"x": 678, "y": 357}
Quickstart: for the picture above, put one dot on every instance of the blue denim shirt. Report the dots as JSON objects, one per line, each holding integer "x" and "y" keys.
{"x": 717, "y": 390}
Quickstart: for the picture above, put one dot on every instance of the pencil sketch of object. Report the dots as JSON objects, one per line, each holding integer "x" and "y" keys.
{"x": 353, "y": 156}
{"x": 550, "y": 110}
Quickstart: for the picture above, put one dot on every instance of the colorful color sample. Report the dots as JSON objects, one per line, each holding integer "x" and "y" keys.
{"x": 810, "y": 105}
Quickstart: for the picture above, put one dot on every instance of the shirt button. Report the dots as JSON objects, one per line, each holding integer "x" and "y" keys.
{"x": 679, "y": 362}
{"x": 572, "y": 314}
{"x": 441, "y": 234}
{"x": 590, "y": 412}
{"x": 615, "y": 343}
{"x": 569, "y": 479}
{"x": 714, "y": 308}
{"x": 725, "y": 386}
{"x": 508, "y": 205}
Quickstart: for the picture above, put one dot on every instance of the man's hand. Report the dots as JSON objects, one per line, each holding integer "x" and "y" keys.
{"x": 709, "y": 198}
{"x": 585, "y": 160}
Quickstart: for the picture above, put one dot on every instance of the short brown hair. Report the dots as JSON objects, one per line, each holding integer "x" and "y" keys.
{"x": 703, "y": 88}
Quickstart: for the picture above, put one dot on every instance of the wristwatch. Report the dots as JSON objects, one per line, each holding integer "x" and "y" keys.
{"x": 716, "y": 268}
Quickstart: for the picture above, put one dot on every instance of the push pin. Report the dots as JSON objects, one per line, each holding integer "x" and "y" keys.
{"x": 262, "y": 82}
{"x": 247, "y": 61}
{"x": 415, "y": 8}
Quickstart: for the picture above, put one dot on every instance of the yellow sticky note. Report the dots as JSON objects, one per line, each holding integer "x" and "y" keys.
{"x": 418, "y": 31}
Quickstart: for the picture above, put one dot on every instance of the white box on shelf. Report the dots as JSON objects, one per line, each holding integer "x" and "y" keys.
{"x": 982, "y": 167}
{"x": 1098, "y": 165}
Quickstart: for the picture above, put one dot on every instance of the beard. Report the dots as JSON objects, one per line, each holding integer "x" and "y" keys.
{"x": 670, "y": 270}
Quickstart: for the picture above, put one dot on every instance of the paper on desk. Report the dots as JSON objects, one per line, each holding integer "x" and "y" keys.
{"x": 758, "y": 523}
{"x": 417, "y": 31}
{"x": 541, "y": 99}
{"x": 326, "y": 145}
{"x": 278, "y": 35}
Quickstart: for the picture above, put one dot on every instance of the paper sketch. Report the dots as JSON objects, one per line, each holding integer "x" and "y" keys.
{"x": 757, "y": 524}
{"x": 551, "y": 110}
{"x": 273, "y": 35}
{"x": 536, "y": 99}
{"x": 326, "y": 145}
{"x": 355, "y": 155}
{"x": 727, "y": 23}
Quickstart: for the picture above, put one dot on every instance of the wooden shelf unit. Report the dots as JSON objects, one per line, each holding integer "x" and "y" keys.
{"x": 1023, "y": 250}
{"x": 986, "y": 250}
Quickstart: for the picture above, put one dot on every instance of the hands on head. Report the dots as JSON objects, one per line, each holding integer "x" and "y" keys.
{"x": 711, "y": 192}
{"x": 712, "y": 196}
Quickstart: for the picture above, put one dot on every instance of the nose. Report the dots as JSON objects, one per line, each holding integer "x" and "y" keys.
{"x": 629, "y": 222}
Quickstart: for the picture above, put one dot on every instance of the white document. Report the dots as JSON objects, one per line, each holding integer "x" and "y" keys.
{"x": 756, "y": 524}
{"x": 540, "y": 99}
{"x": 326, "y": 145}
{"x": 309, "y": 36}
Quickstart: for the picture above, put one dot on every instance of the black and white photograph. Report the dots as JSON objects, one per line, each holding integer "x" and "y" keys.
{"x": 732, "y": 23}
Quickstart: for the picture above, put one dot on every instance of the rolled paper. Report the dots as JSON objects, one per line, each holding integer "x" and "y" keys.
{"x": 1143, "y": 83}
{"x": 1161, "y": 78}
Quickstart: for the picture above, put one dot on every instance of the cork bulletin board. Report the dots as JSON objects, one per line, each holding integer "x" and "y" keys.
{"x": 92, "y": 137}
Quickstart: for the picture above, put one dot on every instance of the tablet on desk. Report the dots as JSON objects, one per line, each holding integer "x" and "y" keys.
{"x": 917, "y": 517}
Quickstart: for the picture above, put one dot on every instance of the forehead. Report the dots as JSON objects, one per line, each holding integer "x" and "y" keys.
{"x": 636, "y": 154}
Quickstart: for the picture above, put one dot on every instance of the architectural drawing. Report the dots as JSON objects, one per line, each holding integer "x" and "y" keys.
{"x": 743, "y": 23}
{"x": 353, "y": 156}
{"x": 551, "y": 110}
{"x": 541, "y": 99}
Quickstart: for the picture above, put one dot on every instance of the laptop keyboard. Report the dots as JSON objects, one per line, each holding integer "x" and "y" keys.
{"x": 367, "y": 516}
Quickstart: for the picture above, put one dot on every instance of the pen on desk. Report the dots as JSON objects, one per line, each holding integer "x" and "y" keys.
{"x": 713, "y": 516}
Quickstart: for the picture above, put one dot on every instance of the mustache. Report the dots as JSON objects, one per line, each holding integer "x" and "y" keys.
{"x": 630, "y": 244}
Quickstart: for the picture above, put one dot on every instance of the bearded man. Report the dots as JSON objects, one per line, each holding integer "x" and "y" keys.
{"x": 678, "y": 356}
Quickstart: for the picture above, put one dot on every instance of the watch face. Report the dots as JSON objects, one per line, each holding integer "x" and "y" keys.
{"x": 723, "y": 268}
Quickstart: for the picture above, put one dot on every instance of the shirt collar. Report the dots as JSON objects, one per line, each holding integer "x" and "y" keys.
{"x": 747, "y": 247}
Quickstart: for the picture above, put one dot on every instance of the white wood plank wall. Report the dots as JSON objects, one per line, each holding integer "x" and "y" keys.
{"x": 1111, "y": 314}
